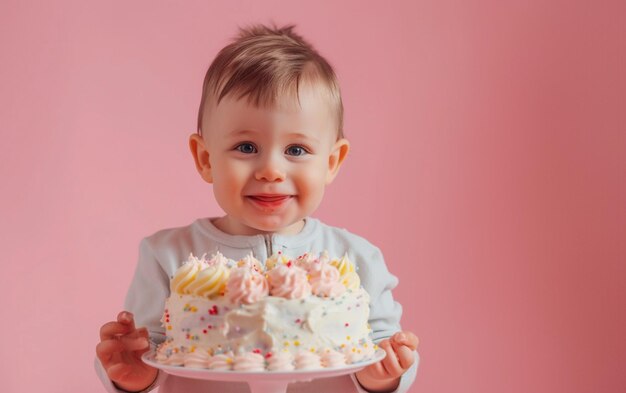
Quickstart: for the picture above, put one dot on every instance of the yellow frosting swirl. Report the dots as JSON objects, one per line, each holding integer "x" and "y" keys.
{"x": 351, "y": 280}
{"x": 185, "y": 275}
{"x": 210, "y": 282}
{"x": 347, "y": 271}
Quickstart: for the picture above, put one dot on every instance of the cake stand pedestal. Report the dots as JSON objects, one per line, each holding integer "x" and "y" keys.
{"x": 261, "y": 381}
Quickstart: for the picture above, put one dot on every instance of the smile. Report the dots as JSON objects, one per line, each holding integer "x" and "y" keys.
{"x": 269, "y": 201}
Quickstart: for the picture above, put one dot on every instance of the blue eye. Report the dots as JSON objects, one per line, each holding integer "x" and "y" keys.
{"x": 296, "y": 151}
{"x": 246, "y": 148}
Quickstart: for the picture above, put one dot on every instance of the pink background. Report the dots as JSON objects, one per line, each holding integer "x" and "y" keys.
{"x": 488, "y": 164}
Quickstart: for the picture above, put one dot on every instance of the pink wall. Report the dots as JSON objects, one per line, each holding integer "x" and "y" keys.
{"x": 488, "y": 164}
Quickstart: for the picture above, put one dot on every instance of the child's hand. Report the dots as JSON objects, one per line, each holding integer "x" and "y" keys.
{"x": 119, "y": 350}
{"x": 384, "y": 376}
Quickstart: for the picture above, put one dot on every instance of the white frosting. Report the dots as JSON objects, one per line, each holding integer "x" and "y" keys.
{"x": 264, "y": 332}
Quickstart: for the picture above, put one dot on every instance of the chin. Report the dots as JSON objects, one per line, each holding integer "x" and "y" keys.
{"x": 272, "y": 225}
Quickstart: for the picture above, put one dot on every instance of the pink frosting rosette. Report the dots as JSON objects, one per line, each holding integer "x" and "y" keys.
{"x": 197, "y": 359}
{"x": 332, "y": 359}
{"x": 306, "y": 260}
{"x": 251, "y": 263}
{"x": 306, "y": 360}
{"x": 246, "y": 286}
{"x": 221, "y": 362}
{"x": 289, "y": 282}
{"x": 325, "y": 281}
{"x": 249, "y": 361}
{"x": 281, "y": 361}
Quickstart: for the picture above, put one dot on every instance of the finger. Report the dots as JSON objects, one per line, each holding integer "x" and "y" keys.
{"x": 119, "y": 371}
{"x": 406, "y": 357}
{"x": 111, "y": 330}
{"x": 107, "y": 348}
{"x": 390, "y": 362}
{"x": 404, "y": 354}
{"x": 126, "y": 318}
{"x": 413, "y": 341}
{"x": 406, "y": 338}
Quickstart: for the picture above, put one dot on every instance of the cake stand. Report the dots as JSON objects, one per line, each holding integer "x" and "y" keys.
{"x": 261, "y": 381}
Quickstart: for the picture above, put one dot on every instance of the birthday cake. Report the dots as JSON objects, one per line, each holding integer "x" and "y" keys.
{"x": 287, "y": 314}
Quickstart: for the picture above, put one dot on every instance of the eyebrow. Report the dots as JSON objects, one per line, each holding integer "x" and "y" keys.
{"x": 253, "y": 132}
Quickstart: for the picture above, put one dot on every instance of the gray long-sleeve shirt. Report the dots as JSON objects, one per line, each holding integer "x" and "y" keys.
{"x": 162, "y": 253}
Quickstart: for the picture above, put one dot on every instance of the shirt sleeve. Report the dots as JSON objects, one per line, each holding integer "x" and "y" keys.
{"x": 145, "y": 299}
{"x": 385, "y": 312}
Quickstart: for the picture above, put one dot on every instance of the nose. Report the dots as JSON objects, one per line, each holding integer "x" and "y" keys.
{"x": 270, "y": 169}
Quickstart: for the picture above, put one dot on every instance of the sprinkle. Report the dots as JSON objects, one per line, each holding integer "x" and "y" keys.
{"x": 347, "y": 324}
{"x": 268, "y": 355}
{"x": 204, "y": 331}
{"x": 256, "y": 350}
{"x": 348, "y": 338}
{"x": 286, "y": 343}
{"x": 169, "y": 327}
{"x": 296, "y": 343}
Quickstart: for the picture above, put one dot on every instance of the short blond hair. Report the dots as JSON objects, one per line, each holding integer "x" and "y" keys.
{"x": 263, "y": 62}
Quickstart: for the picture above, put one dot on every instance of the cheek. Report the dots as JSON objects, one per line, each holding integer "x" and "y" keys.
{"x": 229, "y": 179}
{"x": 312, "y": 182}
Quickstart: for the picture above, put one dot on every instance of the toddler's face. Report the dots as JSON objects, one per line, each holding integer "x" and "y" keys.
{"x": 269, "y": 166}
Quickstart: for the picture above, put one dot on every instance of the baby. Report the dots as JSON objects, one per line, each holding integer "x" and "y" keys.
{"x": 270, "y": 139}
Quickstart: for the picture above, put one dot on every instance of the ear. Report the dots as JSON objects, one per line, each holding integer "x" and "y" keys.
{"x": 337, "y": 155}
{"x": 201, "y": 157}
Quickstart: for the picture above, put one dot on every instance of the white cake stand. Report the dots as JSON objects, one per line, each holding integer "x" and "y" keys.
{"x": 261, "y": 381}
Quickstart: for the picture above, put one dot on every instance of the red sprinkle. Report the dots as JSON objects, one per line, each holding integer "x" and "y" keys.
{"x": 268, "y": 355}
{"x": 347, "y": 324}
{"x": 289, "y": 264}
{"x": 205, "y": 331}
{"x": 256, "y": 350}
